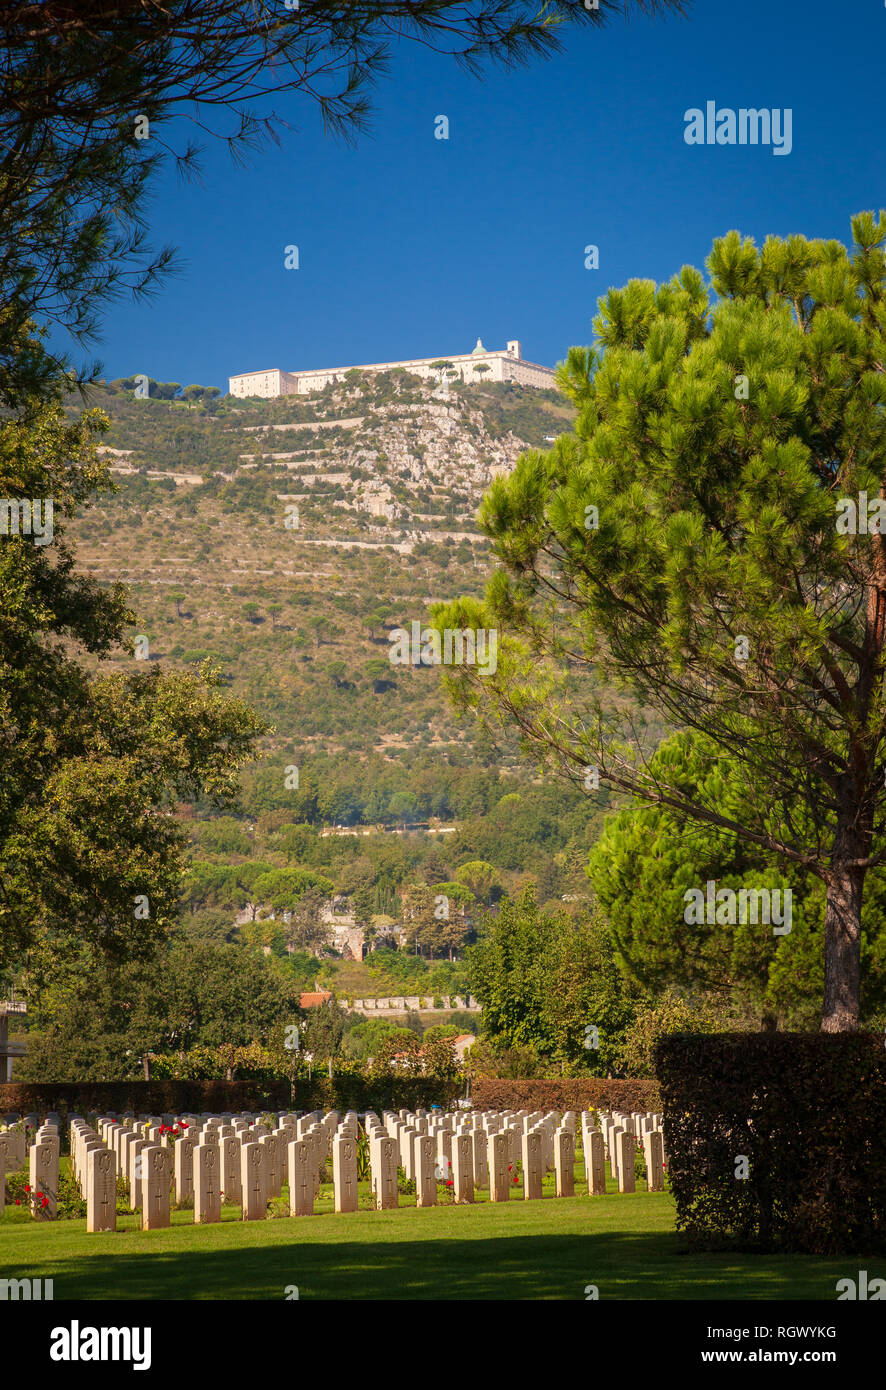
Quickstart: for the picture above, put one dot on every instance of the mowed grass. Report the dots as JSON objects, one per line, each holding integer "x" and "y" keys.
{"x": 624, "y": 1244}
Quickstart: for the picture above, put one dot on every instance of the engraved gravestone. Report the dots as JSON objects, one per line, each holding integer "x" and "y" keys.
{"x": 44, "y": 1180}
{"x": 498, "y": 1150}
{"x": 564, "y": 1163}
{"x": 252, "y": 1182}
{"x": 344, "y": 1172}
{"x": 229, "y": 1167}
{"x": 481, "y": 1170}
{"x": 137, "y": 1173}
{"x": 383, "y": 1166}
{"x": 183, "y": 1155}
{"x": 653, "y": 1152}
{"x": 463, "y": 1168}
{"x": 207, "y": 1184}
{"x": 626, "y": 1145}
{"x": 301, "y": 1183}
{"x": 156, "y": 1184}
{"x": 532, "y": 1165}
{"x": 101, "y": 1191}
{"x": 425, "y": 1177}
{"x": 595, "y": 1163}
{"x": 273, "y": 1175}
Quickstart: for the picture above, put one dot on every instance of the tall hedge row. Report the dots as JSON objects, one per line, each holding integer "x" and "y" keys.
{"x": 572, "y": 1093}
{"x": 174, "y": 1097}
{"x": 777, "y": 1141}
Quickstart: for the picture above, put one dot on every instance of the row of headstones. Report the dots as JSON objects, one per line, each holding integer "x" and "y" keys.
{"x": 235, "y": 1158}
{"x": 207, "y": 1161}
{"x": 621, "y": 1133}
{"x": 481, "y": 1149}
{"x": 241, "y": 1159}
{"x": 44, "y": 1156}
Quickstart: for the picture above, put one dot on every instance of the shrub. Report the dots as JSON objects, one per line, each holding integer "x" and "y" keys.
{"x": 669, "y": 1014}
{"x": 571, "y": 1093}
{"x": 351, "y": 1088}
{"x": 807, "y": 1111}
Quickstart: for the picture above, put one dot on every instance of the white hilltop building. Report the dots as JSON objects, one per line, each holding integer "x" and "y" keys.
{"x": 500, "y": 364}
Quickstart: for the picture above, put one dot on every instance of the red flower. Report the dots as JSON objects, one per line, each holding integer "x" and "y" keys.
{"x": 27, "y": 1188}
{"x": 516, "y": 1179}
{"x": 510, "y": 1167}
{"x": 449, "y": 1184}
{"x": 18, "y": 1201}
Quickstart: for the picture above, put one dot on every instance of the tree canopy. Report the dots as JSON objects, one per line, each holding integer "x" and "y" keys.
{"x": 545, "y": 980}
{"x": 648, "y": 856}
{"x": 95, "y": 765}
{"x": 683, "y": 547}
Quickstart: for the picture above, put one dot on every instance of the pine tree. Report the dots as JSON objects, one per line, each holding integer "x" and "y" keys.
{"x": 688, "y": 543}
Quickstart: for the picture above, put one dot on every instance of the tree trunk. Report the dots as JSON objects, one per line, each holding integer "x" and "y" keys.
{"x": 842, "y": 948}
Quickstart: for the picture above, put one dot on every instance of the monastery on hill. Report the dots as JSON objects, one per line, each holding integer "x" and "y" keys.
{"x": 501, "y": 365}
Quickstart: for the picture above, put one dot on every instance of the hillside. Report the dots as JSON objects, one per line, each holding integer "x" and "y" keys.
{"x": 386, "y": 474}
{"x": 386, "y": 478}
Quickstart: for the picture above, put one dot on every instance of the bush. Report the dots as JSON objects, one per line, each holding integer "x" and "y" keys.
{"x": 807, "y": 1111}
{"x": 669, "y": 1014}
{"x": 572, "y": 1093}
{"x": 70, "y": 1204}
{"x": 350, "y": 1089}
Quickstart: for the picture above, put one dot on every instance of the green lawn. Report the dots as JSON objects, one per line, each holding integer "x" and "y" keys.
{"x": 549, "y": 1249}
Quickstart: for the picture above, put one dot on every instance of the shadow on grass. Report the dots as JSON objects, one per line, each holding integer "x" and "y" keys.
{"x": 621, "y": 1265}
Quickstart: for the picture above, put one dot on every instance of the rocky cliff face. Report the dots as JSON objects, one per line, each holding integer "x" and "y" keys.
{"x": 382, "y": 457}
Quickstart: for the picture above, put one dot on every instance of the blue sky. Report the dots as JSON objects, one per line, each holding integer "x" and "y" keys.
{"x": 412, "y": 246}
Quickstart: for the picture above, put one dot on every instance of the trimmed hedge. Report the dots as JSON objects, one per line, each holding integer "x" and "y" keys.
{"x": 572, "y": 1093}
{"x": 808, "y": 1111}
{"x": 174, "y": 1097}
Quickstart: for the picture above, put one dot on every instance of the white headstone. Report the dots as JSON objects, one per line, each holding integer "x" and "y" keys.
{"x": 101, "y": 1191}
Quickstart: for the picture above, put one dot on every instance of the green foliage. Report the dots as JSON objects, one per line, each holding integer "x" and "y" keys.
{"x": 70, "y": 1206}
{"x": 578, "y": 1093}
{"x": 441, "y": 1030}
{"x": 324, "y": 1029}
{"x": 163, "y": 390}
{"x": 94, "y": 764}
{"x": 363, "y": 1040}
{"x": 481, "y": 879}
{"x": 647, "y": 858}
{"x": 283, "y": 888}
{"x": 439, "y": 1057}
{"x": 463, "y": 1021}
{"x": 806, "y": 1112}
{"x": 669, "y": 1014}
{"x": 683, "y": 542}
{"x": 543, "y": 980}
{"x": 97, "y": 1021}
{"x": 363, "y": 1157}
{"x": 223, "y": 835}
